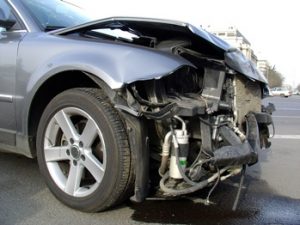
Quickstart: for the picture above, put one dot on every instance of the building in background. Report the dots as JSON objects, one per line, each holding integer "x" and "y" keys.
{"x": 264, "y": 66}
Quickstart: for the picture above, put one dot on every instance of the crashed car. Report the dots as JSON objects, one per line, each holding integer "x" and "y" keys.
{"x": 125, "y": 107}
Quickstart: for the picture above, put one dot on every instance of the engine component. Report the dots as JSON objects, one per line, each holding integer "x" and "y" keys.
{"x": 238, "y": 152}
{"x": 180, "y": 141}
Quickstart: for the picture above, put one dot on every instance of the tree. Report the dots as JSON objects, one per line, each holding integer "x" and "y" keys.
{"x": 298, "y": 87}
{"x": 274, "y": 77}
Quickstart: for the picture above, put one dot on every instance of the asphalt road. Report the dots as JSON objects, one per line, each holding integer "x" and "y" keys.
{"x": 271, "y": 193}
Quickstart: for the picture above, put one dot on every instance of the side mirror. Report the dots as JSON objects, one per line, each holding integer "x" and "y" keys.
{"x": 7, "y": 24}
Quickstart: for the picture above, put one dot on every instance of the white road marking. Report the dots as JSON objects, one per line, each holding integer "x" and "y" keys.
{"x": 287, "y": 117}
{"x": 288, "y": 109}
{"x": 282, "y": 136}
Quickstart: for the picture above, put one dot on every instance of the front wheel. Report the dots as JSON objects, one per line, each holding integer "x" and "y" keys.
{"x": 83, "y": 150}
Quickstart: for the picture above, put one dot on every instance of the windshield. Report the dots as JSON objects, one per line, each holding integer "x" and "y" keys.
{"x": 54, "y": 14}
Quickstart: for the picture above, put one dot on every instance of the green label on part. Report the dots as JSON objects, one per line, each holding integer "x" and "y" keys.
{"x": 182, "y": 162}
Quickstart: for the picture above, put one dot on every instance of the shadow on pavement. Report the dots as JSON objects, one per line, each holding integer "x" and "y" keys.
{"x": 260, "y": 206}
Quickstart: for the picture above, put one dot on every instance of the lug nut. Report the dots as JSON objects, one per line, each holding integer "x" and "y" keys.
{"x": 75, "y": 163}
{"x": 68, "y": 152}
{"x": 82, "y": 157}
{"x": 80, "y": 144}
{"x": 72, "y": 141}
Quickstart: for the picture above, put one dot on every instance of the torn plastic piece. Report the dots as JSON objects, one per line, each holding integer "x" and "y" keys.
{"x": 245, "y": 153}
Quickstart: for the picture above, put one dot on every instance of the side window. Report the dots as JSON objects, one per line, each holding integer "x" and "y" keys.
{"x": 6, "y": 13}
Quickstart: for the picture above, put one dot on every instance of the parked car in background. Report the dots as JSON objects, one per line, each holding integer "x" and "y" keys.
{"x": 161, "y": 103}
{"x": 296, "y": 92}
{"x": 281, "y": 91}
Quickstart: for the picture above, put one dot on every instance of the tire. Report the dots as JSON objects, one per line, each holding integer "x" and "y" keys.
{"x": 83, "y": 150}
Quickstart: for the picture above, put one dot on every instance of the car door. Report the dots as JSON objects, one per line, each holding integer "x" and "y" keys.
{"x": 9, "y": 41}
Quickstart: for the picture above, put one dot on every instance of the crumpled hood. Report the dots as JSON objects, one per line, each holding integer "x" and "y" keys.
{"x": 234, "y": 58}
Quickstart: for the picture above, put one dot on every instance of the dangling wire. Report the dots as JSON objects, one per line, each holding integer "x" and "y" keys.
{"x": 207, "y": 202}
{"x": 237, "y": 198}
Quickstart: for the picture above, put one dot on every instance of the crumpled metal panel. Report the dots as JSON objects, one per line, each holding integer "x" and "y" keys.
{"x": 233, "y": 57}
{"x": 237, "y": 61}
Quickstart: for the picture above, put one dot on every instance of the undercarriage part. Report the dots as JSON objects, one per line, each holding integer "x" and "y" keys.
{"x": 232, "y": 155}
{"x": 138, "y": 139}
{"x": 270, "y": 108}
{"x": 207, "y": 201}
{"x": 253, "y": 136}
{"x": 239, "y": 154}
{"x": 264, "y": 120}
{"x": 206, "y": 137}
{"x": 237, "y": 198}
{"x": 190, "y": 189}
{"x": 229, "y": 136}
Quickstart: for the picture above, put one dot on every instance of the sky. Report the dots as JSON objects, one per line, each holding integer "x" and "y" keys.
{"x": 272, "y": 27}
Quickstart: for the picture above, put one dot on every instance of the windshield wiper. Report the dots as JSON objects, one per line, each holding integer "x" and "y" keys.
{"x": 51, "y": 28}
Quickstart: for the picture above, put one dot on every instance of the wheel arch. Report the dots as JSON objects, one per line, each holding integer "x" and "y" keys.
{"x": 54, "y": 85}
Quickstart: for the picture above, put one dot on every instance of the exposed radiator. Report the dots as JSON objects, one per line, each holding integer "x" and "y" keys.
{"x": 247, "y": 98}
